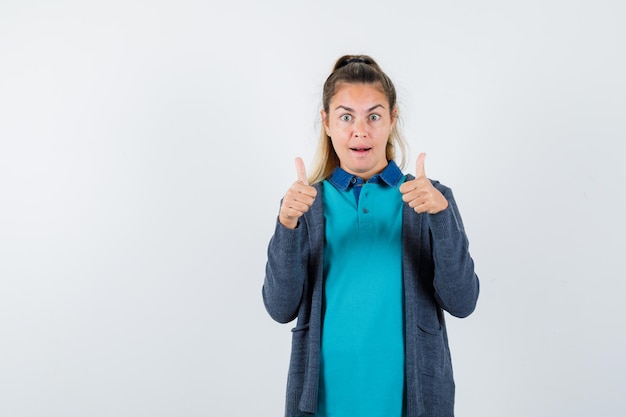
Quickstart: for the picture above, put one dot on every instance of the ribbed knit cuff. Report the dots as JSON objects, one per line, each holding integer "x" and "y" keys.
{"x": 286, "y": 239}
{"x": 443, "y": 224}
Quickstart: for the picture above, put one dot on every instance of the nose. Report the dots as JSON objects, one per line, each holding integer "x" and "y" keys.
{"x": 360, "y": 130}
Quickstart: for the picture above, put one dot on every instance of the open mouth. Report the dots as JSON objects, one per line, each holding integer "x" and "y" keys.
{"x": 360, "y": 150}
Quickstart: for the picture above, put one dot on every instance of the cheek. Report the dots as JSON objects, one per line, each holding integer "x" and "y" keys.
{"x": 385, "y": 132}
{"x": 339, "y": 146}
{"x": 338, "y": 131}
{"x": 335, "y": 126}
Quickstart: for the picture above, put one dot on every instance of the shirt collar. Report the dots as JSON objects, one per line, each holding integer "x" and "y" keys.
{"x": 342, "y": 180}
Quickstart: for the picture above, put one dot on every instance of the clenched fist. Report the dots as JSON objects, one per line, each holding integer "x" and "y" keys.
{"x": 420, "y": 194}
{"x": 298, "y": 198}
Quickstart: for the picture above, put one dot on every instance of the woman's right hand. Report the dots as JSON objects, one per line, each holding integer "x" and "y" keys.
{"x": 298, "y": 198}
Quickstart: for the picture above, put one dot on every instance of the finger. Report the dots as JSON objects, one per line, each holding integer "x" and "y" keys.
{"x": 417, "y": 202}
{"x": 302, "y": 197}
{"x": 301, "y": 170}
{"x": 299, "y": 190}
{"x": 410, "y": 196}
{"x": 421, "y": 208}
{"x": 408, "y": 186}
{"x": 419, "y": 166}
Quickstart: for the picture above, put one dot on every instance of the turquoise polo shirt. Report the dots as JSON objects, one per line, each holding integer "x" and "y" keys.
{"x": 362, "y": 351}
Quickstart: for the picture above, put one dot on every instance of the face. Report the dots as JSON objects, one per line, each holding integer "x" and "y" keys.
{"x": 359, "y": 122}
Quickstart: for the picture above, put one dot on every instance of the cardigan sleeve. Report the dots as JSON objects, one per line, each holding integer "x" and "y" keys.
{"x": 455, "y": 282}
{"x": 284, "y": 272}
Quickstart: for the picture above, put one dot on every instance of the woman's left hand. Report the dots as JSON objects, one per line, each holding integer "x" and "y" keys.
{"x": 420, "y": 194}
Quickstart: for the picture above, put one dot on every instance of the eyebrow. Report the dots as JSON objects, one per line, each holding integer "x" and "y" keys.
{"x": 352, "y": 110}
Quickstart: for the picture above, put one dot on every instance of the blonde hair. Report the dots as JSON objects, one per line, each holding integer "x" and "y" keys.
{"x": 355, "y": 69}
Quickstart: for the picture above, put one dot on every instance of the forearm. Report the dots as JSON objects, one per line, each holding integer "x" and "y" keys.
{"x": 284, "y": 274}
{"x": 455, "y": 281}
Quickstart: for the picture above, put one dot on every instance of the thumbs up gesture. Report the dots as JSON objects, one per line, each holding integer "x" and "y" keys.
{"x": 298, "y": 199}
{"x": 420, "y": 194}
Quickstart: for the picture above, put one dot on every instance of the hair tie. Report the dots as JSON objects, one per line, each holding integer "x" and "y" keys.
{"x": 351, "y": 60}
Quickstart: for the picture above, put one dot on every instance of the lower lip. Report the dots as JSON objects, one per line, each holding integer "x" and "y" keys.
{"x": 360, "y": 152}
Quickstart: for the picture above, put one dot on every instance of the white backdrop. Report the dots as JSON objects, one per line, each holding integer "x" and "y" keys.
{"x": 144, "y": 147}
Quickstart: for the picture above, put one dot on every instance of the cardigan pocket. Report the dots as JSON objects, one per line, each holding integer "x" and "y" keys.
{"x": 300, "y": 327}
{"x": 433, "y": 352}
{"x": 297, "y": 368}
{"x": 299, "y": 348}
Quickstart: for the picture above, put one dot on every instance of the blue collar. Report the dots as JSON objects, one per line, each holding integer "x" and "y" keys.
{"x": 342, "y": 180}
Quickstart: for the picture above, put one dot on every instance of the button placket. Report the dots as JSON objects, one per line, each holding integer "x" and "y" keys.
{"x": 365, "y": 220}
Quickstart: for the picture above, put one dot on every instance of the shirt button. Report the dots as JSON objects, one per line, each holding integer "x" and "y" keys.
{"x": 353, "y": 180}
{"x": 365, "y": 211}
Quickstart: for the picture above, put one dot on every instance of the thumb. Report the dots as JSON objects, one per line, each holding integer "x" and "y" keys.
{"x": 419, "y": 166}
{"x": 301, "y": 170}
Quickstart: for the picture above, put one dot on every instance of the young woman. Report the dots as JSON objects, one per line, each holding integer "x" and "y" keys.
{"x": 367, "y": 259}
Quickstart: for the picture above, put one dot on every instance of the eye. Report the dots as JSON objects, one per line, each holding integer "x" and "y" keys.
{"x": 374, "y": 117}
{"x": 345, "y": 117}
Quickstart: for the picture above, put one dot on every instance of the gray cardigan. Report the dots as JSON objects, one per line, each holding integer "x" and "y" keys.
{"x": 438, "y": 274}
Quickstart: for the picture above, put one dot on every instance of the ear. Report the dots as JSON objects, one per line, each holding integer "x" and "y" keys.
{"x": 394, "y": 117}
{"x": 325, "y": 121}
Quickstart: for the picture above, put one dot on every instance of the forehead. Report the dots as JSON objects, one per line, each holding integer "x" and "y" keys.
{"x": 359, "y": 93}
